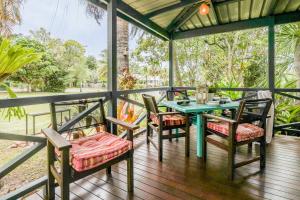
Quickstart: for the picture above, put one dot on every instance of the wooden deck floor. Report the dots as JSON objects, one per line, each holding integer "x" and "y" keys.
{"x": 180, "y": 178}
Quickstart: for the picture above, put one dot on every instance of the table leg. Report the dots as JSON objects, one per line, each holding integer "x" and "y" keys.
{"x": 199, "y": 135}
{"x": 33, "y": 124}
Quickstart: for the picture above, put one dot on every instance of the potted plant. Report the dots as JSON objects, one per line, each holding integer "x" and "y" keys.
{"x": 211, "y": 92}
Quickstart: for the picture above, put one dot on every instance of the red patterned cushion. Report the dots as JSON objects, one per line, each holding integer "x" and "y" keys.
{"x": 169, "y": 120}
{"x": 244, "y": 131}
{"x": 92, "y": 151}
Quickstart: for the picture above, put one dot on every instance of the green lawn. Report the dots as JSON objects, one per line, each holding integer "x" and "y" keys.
{"x": 35, "y": 167}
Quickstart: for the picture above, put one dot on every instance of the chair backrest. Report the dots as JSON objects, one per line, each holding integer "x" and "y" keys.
{"x": 180, "y": 94}
{"x": 249, "y": 95}
{"x": 100, "y": 120}
{"x": 253, "y": 111}
{"x": 150, "y": 104}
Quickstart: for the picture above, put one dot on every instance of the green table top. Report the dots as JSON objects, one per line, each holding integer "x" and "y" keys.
{"x": 193, "y": 107}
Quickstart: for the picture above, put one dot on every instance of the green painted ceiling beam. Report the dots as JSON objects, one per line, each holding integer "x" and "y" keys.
{"x": 240, "y": 25}
{"x": 172, "y": 7}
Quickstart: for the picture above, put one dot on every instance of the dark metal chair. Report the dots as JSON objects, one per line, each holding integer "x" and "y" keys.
{"x": 77, "y": 160}
{"x": 162, "y": 121}
{"x": 177, "y": 94}
{"x": 247, "y": 127}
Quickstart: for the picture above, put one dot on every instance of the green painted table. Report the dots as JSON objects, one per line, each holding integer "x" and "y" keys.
{"x": 198, "y": 109}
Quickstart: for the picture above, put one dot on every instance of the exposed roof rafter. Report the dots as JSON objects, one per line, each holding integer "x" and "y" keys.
{"x": 172, "y": 7}
{"x": 178, "y": 22}
{"x": 214, "y": 12}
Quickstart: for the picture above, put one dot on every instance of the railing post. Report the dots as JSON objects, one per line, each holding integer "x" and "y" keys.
{"x": 112, "y": 57}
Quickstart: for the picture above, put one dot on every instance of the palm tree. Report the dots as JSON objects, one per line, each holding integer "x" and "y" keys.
{"x": 9, "y": 16}
{"x": 122, "y": 34}
{"x": 12, "y": 58}
{"x": 289, "y": 38}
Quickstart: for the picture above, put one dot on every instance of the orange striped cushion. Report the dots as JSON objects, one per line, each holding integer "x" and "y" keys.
{"x": 92, "y": 151}
{"x": 244, "y": 131}
{"x": 169, "y": 120}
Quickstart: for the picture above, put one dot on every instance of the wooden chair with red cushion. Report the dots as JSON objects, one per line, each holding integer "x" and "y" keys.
{"x": 79, "y": 158}
{"x": 247, "y": 127}
{"x": 162, "y": 121}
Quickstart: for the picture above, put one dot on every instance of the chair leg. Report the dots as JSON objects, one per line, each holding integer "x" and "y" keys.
{"x": 65, "y": 175}
{"x": 204, "y": 147}
{"x": 187, "y": 138}
{"x": 250, "y": 147}
{"x": 262, "y": 153}
{"x": 148, "y": 134}
{"x": 51, "y": 181}
{"x": 170, "y": 134}
{"x": 160, "y": 145}
{"x": 108, "y": 170}
{"x": 130, "y": 179}
{"x": 231, "y": 155}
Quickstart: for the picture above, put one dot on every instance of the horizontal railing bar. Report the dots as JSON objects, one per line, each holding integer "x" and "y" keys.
{"x": 125, "y": 92}
{"x": 287, "y": 90}
{"x": 22, "y": 191}
{"x": 185, "y": 88}
{"x": 25, "y": 101}
{"x": 76, "y": 102}
{"x": 77, "y": 118}
{"x": 296, "y": 124}
{"x": 131, "y": 101}
{"x": 291, "y": 130}
{"x": 18, "y": 160}
{"x": 17, "y": 137}
{"x": 288, "y": 95}
{"x": 5, "y": 103}
{"x": 242, "y": 89}
{"x": 245, "y": 89}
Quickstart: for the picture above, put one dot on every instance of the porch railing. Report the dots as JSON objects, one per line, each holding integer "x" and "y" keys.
{"x": 40, "y": 142}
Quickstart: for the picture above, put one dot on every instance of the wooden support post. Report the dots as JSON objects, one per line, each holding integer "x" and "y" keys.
{"x": 271, "y": 59}
{"x": 171, "y": 64}
{"x": 112, "y": 58}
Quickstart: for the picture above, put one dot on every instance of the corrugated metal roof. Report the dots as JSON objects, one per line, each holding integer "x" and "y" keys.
{"x": 221, "y": 12}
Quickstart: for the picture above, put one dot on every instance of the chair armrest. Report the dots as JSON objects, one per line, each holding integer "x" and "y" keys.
{"x": 168, "y": 113}
{"x": 230, "y": 121}
{"x": 56, "y": 139}
{"x": 126, "y": 125}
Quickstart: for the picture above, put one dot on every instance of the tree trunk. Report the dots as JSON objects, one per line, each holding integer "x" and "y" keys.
{"x": 29, "y": 89}
{"x": 122, "y": 43}
{"x": 176, "y": 68}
